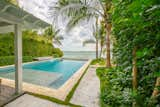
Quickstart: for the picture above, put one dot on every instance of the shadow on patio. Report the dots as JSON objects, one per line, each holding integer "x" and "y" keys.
{"x": 7, "y": 93}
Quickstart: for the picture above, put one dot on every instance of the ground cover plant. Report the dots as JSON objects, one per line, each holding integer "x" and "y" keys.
{"x": 99, "y": 61}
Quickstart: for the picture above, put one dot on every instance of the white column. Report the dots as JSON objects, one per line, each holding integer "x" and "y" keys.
{"x": 18, "y": 59}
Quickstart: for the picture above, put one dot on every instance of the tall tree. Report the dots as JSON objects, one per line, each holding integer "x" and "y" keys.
{"x": 80, "y": 10}
{"x": 102, "y": 38}
{"x": 135, "y": 29}
{"x": 96, "y": 36}
{"x": 53, "y": 35}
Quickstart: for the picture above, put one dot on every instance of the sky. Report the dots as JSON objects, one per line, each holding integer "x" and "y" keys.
{"x": 73, "y": 40}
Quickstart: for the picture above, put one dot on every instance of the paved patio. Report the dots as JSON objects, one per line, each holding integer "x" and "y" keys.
{"x": 31, "y": 101}
{"x": 87, "y": 93}
{"x": 6, "y": 94}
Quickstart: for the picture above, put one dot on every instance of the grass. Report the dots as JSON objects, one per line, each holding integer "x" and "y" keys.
{"x": 55, "y": 100}
{"x": 68, "y": 97}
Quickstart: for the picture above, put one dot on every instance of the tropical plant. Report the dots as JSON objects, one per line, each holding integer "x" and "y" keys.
{"x": 136, "y": 47}
{"x": 53, "y": 35}
{"x": 102, "y": 38}
{"x": 115, "y": 88}
{"x": 99, "y": 36}
{"x": 15, "y": 2}
{"x": 96, "y": 36}
{"x": 34, "y": 45}
{"x": 99, "y": 61}
{"x": 80, "y": 10}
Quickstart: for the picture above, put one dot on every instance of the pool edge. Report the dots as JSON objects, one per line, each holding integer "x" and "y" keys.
{"x": 59, "y": 93}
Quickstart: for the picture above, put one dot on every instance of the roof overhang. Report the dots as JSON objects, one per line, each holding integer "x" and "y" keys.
{"x": 11, "y": 15}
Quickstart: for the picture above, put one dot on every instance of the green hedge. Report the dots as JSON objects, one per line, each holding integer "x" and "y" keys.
{"x": 33, "y": 45}
{"x": 57, "y": 52}
{"x": 9, "y": 60}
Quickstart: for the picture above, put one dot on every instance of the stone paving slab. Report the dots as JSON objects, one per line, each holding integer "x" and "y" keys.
{"x": 87, "y": 93}
{"x": 6, "y": 94}
{"x": 31, "y": 101}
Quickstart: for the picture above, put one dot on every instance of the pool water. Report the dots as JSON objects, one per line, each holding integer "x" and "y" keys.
{"x": 50, "y": 73}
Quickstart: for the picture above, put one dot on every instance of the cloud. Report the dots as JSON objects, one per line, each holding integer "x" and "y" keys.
{"x": 73, "y": 40}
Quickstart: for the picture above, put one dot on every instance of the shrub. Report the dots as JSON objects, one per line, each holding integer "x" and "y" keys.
{"x": 115, "y": 87}
{"x": 9, "y": 60}
{"x": 57, "y": 52}
{"x": 32, "y": 46}
{"x": 99, "y": 61}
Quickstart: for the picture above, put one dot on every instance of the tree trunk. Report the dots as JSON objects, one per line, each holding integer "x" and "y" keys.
{"x": 134, "y": 72}
{"x": 101, "y": 51}
{"x": 108, "y": 57}
{"x": 134, "y": 69}
{"x": 156, "y": 91}
{"x": 96, "y": 49}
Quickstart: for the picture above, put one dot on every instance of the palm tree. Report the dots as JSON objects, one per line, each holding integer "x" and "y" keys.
{"x": 102, "y": 38}
{"x": 90, "y": 41}
{"x": 15, "y": 2}
{"x": 80, "y": 10}
{"x": 99, "y": 35}
{"x": 53, "y": 35}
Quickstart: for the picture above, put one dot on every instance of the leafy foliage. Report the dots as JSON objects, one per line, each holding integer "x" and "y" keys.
{"x": 57, "y": 52}
{"x": 9, "y": 60}
{"x": 78, "y": 11}
{"x": 53, "y": 35}
{"x": 99, "y": 61}
{"x": 135, "y": 24}
{"x": 34, "y": 45}
{"x": 115, "y": 88}
{"x": 15, "y": 2}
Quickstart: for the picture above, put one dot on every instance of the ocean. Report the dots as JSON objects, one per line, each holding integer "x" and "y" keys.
{"x": 80, "y": 54}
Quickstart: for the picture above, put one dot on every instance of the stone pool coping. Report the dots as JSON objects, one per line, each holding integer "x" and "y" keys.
{"x": 59, "y": 93}
{"x": 30, "y": 62}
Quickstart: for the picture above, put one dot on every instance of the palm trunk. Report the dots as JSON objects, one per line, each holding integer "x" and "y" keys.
{"x": 101, "y": 51}
{"x": 156, "y": 91}
{"x": 134, "y": 69}
{"x": 108, "y": 57}
{"x": 96, "y": 49}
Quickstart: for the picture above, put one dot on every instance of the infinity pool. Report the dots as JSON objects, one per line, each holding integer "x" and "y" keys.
{"x": 50, "y": 73}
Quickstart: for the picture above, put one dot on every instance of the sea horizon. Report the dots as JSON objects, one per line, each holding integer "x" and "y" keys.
{"x": 80, "y": 54}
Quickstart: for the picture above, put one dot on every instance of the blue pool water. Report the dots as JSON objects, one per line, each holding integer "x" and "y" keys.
{"x": 51, "y": 73}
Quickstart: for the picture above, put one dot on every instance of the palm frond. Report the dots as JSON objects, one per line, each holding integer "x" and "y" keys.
{"x": 89, "y": 41}
{"x": 57, "y": 42}
{"x": 74, "y": 10}
{"x": 76, "y": 20}
{"x": 59, "y": 38}
{"x": 56, "y": 32}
